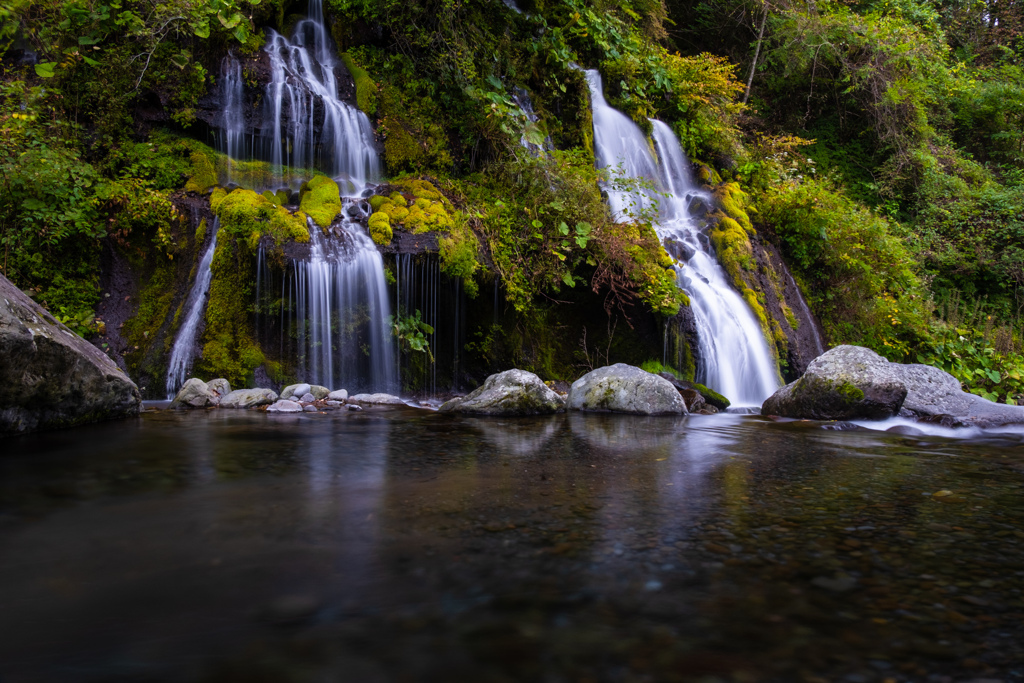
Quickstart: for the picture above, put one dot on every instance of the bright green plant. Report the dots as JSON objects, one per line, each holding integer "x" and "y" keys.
{"x": 412, "y": 333}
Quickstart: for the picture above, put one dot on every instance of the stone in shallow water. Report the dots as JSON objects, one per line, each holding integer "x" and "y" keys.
{"x": 309, "y": 409}
{"x": 49, "y": 376}
{"x": 319, "y": 392}
{"x": 845, "y": 383}
{"x": 307, "y": 397}
{"x": 509, "y": 393}
{"x": 377, "y": 399}
{"x": 248, "y": 398}
{"x": 622, "y": 388}
{"x": 195, "y": 393}
{"x": 295, "y": 390}
{"x": 285, "y": 406}
{"x": 219, "y": 386}
{"x": 339, "y": 395}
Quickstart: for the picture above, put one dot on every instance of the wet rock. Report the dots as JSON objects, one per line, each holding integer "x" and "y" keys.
{"x": 295, "y": 390}
{"x": 353, "y": 408}
{"x": 220, "y": 387}
{"x": 377, "y": 399}
{"x": 248, "y": 398}
{"x": 840, "y": 584}
{"x": 339, "y": 395}
{"x": 307, "y": 397}
{"x": 845, "y": 383}
{"x": 50, "y": 377}
{"x": 622, "y": 388}
{"x": 195, "y": 393}
{"x": 711, "y": 398}
{"x": 319, "y": 392}
{"x": 693, "y": 399}
{"x": 309, "y": 409}
{"x": 509, "y": 393}
{"x": 285, "y": 406}
{"x": 905, "y": 430}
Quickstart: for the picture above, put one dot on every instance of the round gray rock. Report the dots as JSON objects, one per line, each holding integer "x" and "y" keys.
{"x": 285, "y": 406}
{"x": 622, "y": 388}
{"x": 319, "y": 392}
{"x": 248, "y": 398}
{"x": 295, "y": 390}
{"x": 339, "y": 395}
{"x": 195, "y": 393}
{"x": 219, "y": 386}
{"x": 844, "y": 383}
{"x": 509, "y": 393}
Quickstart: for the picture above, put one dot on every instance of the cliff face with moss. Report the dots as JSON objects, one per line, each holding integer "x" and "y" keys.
{"x": 890, "y": 185}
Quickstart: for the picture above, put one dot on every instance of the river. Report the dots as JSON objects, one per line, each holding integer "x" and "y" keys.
{"x": 407, "y": 545}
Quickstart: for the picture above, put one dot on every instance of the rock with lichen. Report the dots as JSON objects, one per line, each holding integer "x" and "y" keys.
{"x": 622, "y": 388}
{"x": 845, "y": 383}
{"x": 508, "y": 394}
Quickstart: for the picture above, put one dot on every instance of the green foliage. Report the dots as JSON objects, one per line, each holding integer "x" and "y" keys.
{"x": 366, "y": 88}
{"x": 862, "y": 279}
{"x": 459, "y": 255}
{"x": 412, "y": 333}
{"x": 971, "y": 358}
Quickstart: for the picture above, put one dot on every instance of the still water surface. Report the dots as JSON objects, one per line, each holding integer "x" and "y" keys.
{"x": 405, "y": 545}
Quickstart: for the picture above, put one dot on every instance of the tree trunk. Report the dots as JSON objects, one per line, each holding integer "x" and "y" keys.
{"x": 757, "y": 53}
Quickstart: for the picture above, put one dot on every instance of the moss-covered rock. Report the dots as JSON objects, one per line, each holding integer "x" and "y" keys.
{"x": 366, "y": 88}
{"x": 380, "y": 228}
{"x": 321, "y": 200}
{"x": 250, "y": 216}
{"x": 204, "y": 172}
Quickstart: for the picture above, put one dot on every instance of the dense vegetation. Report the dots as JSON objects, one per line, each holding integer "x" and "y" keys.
{"x": 879, "y": 145}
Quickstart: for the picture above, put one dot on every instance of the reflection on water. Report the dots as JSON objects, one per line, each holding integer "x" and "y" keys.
{"x": 407, "y": 545}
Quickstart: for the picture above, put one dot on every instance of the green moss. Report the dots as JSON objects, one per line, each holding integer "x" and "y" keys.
{"x": 459, "y": 250}
{"x": 380, "y": 228}
{"x": 850, "y": 392}
{"x": 272, "y": 198}
{"x": 733, "y": 201}
{"x": 204, "y": 173}
{"x": 321, "y": 200}
{"x": 706, "y": 392}
{"x": 366, "y": 88}
{"x": 249, "y": 216}
{"x": 229, "y": 346}
{"x": 376, "y": 201}
{"x": 794, "y": 322}
{"x": 154, "y": 305}
{"x": 201, "y": 232}
{"x": 283, "y": 197}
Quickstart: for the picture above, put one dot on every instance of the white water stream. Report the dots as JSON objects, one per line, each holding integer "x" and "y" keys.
{"x": 735, "y": 357}
{"x": 183, "y": 351}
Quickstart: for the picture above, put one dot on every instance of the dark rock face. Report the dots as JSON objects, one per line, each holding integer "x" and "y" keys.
{"x": 622, "y": 388}
{"x": 846, "y": 383}
{"x": 50, "y": 377}
{"x": 510, "y": 393}
{"x": 696, "y": 394}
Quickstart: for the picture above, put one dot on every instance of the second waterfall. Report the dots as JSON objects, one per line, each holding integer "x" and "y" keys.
{"x": 735, "y": 358}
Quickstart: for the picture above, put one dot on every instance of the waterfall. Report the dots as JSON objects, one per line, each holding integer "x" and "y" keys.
{"x": 735, "y": 357}
{"x": 340, "y": 298}
{"x": 302, "y": 93}
{"x": 183, "y": 352}
{"x": 231, "y": 141}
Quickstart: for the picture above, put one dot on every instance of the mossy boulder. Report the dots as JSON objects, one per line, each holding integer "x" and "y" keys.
{"x": 366, "y": 88}
{"x": 709, "y": 396}
{"x": 321, "y": 200}
{"x": 508, "y": 394}
{"x": 249, "y": 216}
{"x": 622, "y": 388}
{"x": 204, "y": 172}
{"x": 380, "y": 228}
{"x": 418, "y": 207}
{"x": 845, "y": 383}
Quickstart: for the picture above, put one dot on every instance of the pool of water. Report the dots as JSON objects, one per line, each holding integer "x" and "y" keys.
{"x": 407, "y": 545}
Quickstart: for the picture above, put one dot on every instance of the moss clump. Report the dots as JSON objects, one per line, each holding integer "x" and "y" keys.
{"x": 204, "y": 173}
{"x": 272, "y": 198}
{"x": 733, "y": 202}
{"x": 321, "y": 200}
{"x": 426, "y": 208}
{"x": 850, "y": 392}
{"x": 248, "y": 215}
{"x": 201, "y": 232}
{"x": 459, "y": 251}
{"x": 366, "y": 89}
{"x": 376, "y": 201}
{"x": 791, "y": 318}
{"x": 380, "y": 228}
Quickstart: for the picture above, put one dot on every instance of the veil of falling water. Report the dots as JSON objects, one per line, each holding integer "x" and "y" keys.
{"x": 184, "y": 349}
{"x": 735, "y": 358}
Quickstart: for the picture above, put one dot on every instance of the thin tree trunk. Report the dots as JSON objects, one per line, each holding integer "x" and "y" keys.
{"x": 757, "y": 53}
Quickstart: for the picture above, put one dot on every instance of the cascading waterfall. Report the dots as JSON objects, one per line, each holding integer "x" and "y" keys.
{"x": 232, "y": 137}
{"x": 341, "y": 299}
{"x": 302, "y": 93}
{"x": 183, "y": 352}
{"x": 735, "y": 358}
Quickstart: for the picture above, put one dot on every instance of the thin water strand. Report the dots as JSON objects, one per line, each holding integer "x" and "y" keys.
{"x": 183, "y": 352}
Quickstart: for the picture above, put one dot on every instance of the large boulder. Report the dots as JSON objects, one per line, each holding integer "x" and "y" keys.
{"x": 49, "y": 376}
{"x": 195, "y": 393}
{"x": 696, "y": 395}
{"x": 509, "y": 393}
{"x": 935, "y": 395}
{"x": 622, "y": 388}
{"x": 248, "y": 398}
{"x": 844, "y": 383}
{"x": 296, "y": 390}
{"x": 220, "y": 388}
